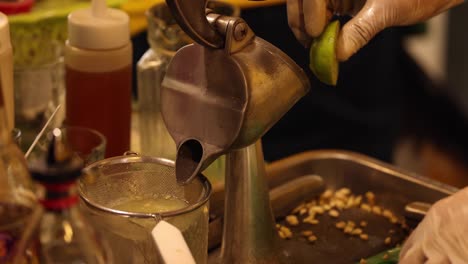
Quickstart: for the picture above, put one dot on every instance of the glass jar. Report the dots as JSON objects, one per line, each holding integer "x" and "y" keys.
{"x": 39, "y": 89}
{"x": 165, "y": 38}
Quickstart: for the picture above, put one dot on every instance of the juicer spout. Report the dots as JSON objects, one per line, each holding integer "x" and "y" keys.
{"x": 192, "y": 158}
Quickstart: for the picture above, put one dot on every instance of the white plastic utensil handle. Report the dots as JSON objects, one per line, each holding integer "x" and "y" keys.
{"x": 171, "y": 244}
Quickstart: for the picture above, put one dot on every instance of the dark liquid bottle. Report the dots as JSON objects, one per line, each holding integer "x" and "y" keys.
{"x": 98, "y": 57}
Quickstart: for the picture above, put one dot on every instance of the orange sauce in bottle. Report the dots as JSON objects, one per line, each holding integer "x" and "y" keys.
{"x": 102, "y": 101}
{"x": 98, "y": 93}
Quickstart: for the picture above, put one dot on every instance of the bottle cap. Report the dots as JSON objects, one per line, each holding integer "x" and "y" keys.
{"x": 16, "y": 6}
{"x": 98, "y": 27}
{"x": 59, "y": 164}
{"x": 4, "y": 33}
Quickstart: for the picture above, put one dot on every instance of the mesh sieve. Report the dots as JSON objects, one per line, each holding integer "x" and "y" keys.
{"x": 111, "y": 181}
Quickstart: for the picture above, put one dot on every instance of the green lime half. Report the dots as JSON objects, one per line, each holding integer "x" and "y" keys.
{"x": 323, "y": 61}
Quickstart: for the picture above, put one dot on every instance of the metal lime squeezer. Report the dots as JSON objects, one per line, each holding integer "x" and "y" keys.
{"x": 219, "y": 96}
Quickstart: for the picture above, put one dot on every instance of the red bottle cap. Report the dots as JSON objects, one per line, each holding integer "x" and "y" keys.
{"x": 16, "y": 6}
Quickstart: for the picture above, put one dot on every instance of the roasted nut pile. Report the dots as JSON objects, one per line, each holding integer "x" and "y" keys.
{"x": 335, "y": 203}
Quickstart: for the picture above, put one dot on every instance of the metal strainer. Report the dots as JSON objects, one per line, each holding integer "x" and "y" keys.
{"x": 126, "y": 196}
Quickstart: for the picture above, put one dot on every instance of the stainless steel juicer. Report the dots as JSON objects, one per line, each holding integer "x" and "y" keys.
{"x": 220, "y": 95}
{"x": 226, "y": 90}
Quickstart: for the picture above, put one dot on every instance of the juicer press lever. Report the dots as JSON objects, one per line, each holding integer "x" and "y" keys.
{"x": 237, "y": 34}
{"x": 191, "y": 16}
{"x": 208, "y": 28}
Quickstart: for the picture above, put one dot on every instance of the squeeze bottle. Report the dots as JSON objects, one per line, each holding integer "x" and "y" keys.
{"x": 98, "y": 56}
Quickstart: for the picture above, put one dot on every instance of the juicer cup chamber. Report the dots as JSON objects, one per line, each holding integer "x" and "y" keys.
{"x": 217, "y": 100}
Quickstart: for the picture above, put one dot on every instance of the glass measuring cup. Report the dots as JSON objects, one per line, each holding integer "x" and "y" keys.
{"x": 126, "y": 196}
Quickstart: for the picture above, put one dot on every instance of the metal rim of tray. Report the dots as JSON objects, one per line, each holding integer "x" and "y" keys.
{"x": 364, "y": 160}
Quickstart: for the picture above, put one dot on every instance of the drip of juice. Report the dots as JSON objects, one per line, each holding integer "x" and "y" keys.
{"x": 102, "y": 101}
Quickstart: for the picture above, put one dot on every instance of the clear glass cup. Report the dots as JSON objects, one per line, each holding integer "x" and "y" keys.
{"x": 88, "y": 143}
{"x": 39, "y": 89}
{"x": 126, "y": 196}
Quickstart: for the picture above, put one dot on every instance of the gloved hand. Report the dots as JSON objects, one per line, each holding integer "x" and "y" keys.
{"x": 442, "y": 237}
{"x": 308, "y": 18}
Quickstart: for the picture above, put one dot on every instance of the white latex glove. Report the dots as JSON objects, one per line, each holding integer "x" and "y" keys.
{"x": 307, "y": 18}
{"x": 442, "y": 237}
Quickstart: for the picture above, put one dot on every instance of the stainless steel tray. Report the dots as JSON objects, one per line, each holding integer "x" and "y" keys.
{"x": 394, "y": 189}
